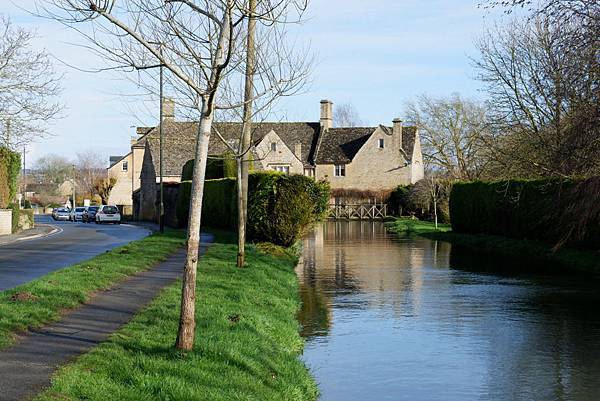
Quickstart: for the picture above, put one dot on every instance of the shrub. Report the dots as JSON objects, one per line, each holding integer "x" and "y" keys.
{"x": 10, "y": 165}
{"x": 16, "y": 213}
{"x": 398, "y": 200}
{"x": 550, "y": 210}
{"x": 280, "y": 207}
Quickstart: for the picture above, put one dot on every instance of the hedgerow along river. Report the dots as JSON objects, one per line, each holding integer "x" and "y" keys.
{"x": 391, "y": 318}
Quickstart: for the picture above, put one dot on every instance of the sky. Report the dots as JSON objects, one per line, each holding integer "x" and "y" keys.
{"x": 375, "y": 54}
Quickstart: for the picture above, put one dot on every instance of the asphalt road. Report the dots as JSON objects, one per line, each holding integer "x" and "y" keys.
{"x": 24, "y": 261}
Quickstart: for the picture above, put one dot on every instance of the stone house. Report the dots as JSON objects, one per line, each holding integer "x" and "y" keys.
{"x": 351, "y": 159}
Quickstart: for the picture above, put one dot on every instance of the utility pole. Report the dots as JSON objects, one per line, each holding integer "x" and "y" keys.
{"x": 73, "y": 187}
{"x": 161, "y": 217}
{"x": 24, "y": 178}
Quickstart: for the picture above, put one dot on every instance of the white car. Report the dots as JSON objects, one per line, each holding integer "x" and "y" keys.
{"x": 108, "y": 214}
{"x": 77, "y": 214}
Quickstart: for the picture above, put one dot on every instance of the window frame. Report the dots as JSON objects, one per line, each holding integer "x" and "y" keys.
{"x": 381, "y": 143}
{"x": 339, "y": 170}
{"x": 273, "y": 146}
{"x": 125, "y": 166}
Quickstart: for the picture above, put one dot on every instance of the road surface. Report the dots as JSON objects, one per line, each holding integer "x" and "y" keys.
{"x": 24, "y": 261}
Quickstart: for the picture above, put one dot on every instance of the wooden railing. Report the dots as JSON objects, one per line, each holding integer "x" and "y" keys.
{"x": 365, "y": 211}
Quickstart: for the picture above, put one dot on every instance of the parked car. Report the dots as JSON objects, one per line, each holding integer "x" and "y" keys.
{"x": 108, "y": 214}
{"x": 89, "y": 214}
{"x": 77, "y": 214}
{"x": 61, "y": 213}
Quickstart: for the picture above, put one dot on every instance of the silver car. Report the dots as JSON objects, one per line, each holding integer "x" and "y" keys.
{"x": 108, "y": 214}
{"x": 77, "y": 214}
{"x": 61, "y": 213}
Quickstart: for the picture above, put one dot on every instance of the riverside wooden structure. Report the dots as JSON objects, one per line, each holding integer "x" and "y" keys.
{"x": 365, "y": 211}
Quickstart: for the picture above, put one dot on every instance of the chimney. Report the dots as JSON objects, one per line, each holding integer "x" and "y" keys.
{"x": 326, "y": 114}
{"x": 168, "y": 109}
{"x": 397, "y": 131}
{"x": 298, "y": 150}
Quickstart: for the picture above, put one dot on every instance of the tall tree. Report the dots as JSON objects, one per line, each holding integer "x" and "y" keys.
{"x": 544, "y": 88}
{"x": 89, "y": 168}
{"x": 28, "y": 87}
{"x": 452, "y": 130}
{"x": 53, "y": 170}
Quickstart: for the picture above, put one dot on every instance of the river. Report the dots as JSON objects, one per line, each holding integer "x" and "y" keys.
{"x": 389, "y": 318}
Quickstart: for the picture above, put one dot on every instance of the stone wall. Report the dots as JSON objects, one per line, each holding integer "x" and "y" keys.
{"x": 5, "y": 221}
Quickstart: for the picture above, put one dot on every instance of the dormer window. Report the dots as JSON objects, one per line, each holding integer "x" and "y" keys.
{"x": 273, "y": 146}
{"x": 380, "y": 143}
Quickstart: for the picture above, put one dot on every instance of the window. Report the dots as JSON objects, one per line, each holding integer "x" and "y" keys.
{"x": 273, "y": 146}
{"x": 309, "y": 172}
{"x": 125, "y": 166}
{"x": 380, "y": 143}
{"x": 340, "y": 170}
{"x": 282, "y": 169}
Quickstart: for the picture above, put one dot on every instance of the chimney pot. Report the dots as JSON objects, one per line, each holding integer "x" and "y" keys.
{"x": 168, "y": 110}
{"x": 326, "y": 114}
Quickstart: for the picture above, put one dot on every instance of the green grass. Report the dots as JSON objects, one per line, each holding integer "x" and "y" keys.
{"x": 413, "y": 226}
{"x": 247, "y": 342}
{"x": 45, "y": 299}
{"x": 566, "y": 260}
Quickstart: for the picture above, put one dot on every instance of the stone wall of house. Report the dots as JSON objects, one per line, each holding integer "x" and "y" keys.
{"x": 5, "y": 221}
{"x": 121, "y": 192}
{"x": 372, "y": 168}
{"x": 283, "y": 156}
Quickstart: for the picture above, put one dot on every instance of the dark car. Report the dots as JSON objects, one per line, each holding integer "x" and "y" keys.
{"x": 89, "y": 215}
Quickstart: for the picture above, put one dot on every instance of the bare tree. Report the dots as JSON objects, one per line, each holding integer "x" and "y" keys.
{"x": 452, "y": 130}
{"x": 544, "y": 96}
{"x": 89, "y": 168}
{"x": 200, "y": 47}
{"x": 28, "y": 87}
{"x": 52, "y": 170}
{"x": 345, "y": 115}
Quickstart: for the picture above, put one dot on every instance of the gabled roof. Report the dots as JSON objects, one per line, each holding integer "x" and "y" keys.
{"x": 179, "y": 140}
{"x": 340, "y": 145}
{"x": 334, "y": 146}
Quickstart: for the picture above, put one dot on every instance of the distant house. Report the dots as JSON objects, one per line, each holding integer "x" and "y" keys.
{"x": 352, "y": 159}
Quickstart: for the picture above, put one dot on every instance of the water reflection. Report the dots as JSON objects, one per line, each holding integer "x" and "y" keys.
{"x": 412, "y": 319}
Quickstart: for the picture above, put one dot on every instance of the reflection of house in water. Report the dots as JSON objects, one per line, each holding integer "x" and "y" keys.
{"x": 342, "y": 257}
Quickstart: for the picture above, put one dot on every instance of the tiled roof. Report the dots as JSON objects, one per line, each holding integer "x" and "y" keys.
{"x": 337, "y": 145}
{"x": 340, "y": 145}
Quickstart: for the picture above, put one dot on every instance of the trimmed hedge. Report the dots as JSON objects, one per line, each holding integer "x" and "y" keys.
{"x": 215, "y": 168}
{"x": 280, "y": 207}
{"x": 551, "y": 210}
{"x": 10, "y": 165}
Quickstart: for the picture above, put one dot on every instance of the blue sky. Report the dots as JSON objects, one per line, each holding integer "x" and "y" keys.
{"x": 376, "y": 54}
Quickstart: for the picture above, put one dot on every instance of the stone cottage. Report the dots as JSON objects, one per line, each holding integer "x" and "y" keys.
{"x": 351, "y": 159}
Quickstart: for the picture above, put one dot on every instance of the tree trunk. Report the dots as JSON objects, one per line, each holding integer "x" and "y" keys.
{"x": 244, "y": 162}
{"x": 435, "y": 216}
{"x": 187, "y": 319}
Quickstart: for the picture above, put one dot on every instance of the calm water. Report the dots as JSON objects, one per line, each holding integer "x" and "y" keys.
{"x": 413, "y": 319}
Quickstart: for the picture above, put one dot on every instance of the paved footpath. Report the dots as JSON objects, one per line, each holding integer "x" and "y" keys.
{"x": 26, "y": 368}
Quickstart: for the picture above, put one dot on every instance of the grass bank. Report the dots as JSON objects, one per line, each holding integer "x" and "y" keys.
{"x": 566, "y": 260}
{"x": 43, "y": 300}
{"x": 247, "y": 342}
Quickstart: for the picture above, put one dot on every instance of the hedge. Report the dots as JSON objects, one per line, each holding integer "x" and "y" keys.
{"x": 10, "y": 165}
{"x": 557, "y": 211}
{"x": 280, "y": 207}
{"x": 216, "y": 168}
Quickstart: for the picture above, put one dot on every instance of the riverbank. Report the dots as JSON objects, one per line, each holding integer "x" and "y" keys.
{"x": 247, "y": 342}
{"x": 565, "y": 260}
{"x": 45, "y": 299}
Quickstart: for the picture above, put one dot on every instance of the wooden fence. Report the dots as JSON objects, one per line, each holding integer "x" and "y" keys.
{"x": 366, "y": 211}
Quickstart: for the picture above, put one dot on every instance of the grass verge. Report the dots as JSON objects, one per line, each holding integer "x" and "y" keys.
{"x": 566, "y": 260}
{"x": 43, "y": 300}
{"x": 247, "y": 341}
